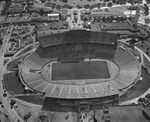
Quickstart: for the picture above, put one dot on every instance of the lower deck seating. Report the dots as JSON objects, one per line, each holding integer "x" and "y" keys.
{"x": 13, "y": 83}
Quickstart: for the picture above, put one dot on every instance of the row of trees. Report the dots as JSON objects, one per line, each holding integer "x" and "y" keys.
{"x": 148, "y": 1}
{"x": 125, "y": 1}
{"x": 6, "y": 7}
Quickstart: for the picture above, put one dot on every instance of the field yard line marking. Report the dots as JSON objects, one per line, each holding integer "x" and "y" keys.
{"x": 39, "y": 85}
{"x": 52, "y": 90}
{"x": 61, "y": 90}
{"x": 46, "y": 87}
{"x": 94, "y": 90}
{"x": 35, "y": 81}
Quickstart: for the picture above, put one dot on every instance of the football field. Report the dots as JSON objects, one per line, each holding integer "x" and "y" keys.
{"x": 81, "y": 70}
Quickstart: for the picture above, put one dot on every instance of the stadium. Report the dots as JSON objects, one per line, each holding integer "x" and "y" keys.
{"x": 67, "y": 61}
{"x": 72, "y": 66}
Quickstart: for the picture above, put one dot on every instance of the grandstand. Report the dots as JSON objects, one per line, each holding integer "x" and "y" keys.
{"x": 95, "y": 70}
{"x": 11, "y": 86}
{"x": 69, "y": 73}
{"x": 35, "y": 72}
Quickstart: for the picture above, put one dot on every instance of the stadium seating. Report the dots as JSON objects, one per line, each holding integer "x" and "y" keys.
{"x": 75, "y": 50}
{"x": 128, "y": 72}
{"x": 15, "y": 62}
{"x": 11, "y": 81}
{"x": 36, "y": 58}
{"x": 129, "y": 68}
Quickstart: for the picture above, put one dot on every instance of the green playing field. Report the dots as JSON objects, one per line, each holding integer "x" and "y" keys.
{"x": 81, "y": 70}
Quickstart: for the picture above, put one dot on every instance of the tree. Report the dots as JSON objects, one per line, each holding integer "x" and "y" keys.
{"x": 130, "y": 1}
{"x": 58, "y": 7}
{"x": 65, "y": 6}
{"x": 109, "y": 4}
{"x": 53, "y": 5}
{"x": 79, "y": 6}
{"x": 148, "y": 1}
{"x": 41, "y": 12}
{"x": 7, "y": 1}
{"x": 114, "y": 1}
{"x": 65, "y": 1}
{"x": 98, "y": 5}
{"x": 106, "y": 0}
{"x": 43, "y": 1}
{"x": 147, "y": 20}
{"x": 117, "y": 2}
{"x": 87, "y": 6}
{"x": 146, "y": 10}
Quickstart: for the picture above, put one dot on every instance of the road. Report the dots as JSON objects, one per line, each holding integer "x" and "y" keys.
{"x": 5, "y": 100}
{"x": 1, "y": 5}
